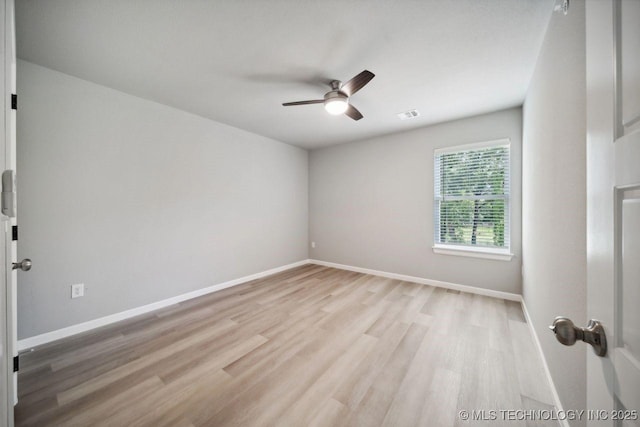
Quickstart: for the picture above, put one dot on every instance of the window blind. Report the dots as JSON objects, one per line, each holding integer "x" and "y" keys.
{"x": 471, "y": 195}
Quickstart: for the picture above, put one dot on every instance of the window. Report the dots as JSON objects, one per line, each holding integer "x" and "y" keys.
{"x": 471, "y": 200}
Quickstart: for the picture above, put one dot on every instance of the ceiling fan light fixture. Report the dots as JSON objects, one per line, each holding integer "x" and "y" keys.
{"x": 336, "y": 106}
{"x": 336, "y": 102}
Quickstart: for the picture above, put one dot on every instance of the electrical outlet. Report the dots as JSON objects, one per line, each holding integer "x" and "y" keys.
{"x": 77, "y": 290}
{"x": 313, "y": 244}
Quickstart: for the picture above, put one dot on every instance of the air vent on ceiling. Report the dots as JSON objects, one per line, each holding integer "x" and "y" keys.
{"x": 411, "y": 114}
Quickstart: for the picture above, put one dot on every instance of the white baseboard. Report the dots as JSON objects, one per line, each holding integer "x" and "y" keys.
{"x": 27, "y": 343}
{"x": 440, "y": 284}
{"x": 554, "y": 392}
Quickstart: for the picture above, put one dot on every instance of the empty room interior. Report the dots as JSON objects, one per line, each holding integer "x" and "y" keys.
{"x": 325, "y": 213}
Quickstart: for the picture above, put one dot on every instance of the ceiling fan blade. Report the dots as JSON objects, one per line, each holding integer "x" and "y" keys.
{"x": 357, "y": 83}
{"x": 314, "y": 101}
{"x": 353, "y": 112}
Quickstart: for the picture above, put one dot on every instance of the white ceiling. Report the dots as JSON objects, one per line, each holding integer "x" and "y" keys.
{"x": 237, "y": 61}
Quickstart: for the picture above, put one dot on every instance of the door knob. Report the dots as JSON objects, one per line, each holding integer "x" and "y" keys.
{"x": 567, "y": 333}
{"x": 24, "y": 265}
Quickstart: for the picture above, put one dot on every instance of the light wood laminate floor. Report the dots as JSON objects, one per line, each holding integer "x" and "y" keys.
{"x": 312, "y": 346}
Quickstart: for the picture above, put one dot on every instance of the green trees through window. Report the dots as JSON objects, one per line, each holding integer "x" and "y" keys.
{"x": 471, "y": 191}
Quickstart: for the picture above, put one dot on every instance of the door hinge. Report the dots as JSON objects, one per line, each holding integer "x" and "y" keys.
{"x": 14, "y": 232}
{"x": 14, "y": 101}
{"x": 16, "y": 363}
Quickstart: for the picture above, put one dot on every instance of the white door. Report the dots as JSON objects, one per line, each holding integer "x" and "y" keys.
{"x": 8, "y": 379}
{"x": 613, "y": 207}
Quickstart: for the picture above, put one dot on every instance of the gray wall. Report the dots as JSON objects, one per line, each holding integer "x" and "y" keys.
{"x": 371, "y": 203}
{"x": 142, "y": 202}
{"x": 554, "y": 198}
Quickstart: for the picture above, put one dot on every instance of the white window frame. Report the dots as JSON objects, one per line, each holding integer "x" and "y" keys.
{"x": 501, "y": 254}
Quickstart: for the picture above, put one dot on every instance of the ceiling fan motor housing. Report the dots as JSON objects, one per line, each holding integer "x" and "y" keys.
{"x": 335, "y": 94}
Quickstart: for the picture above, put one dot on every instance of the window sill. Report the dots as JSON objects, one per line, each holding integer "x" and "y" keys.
{"x": 487, "y": 253}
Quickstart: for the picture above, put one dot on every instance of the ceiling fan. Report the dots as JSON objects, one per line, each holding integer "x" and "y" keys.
{"x": 336, "y": 101}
